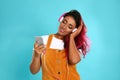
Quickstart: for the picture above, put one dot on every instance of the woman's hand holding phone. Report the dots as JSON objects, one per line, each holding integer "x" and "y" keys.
{"x": 39, "y": 47}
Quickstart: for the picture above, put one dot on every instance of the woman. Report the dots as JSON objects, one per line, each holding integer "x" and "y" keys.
{"x": 60, "y": 52}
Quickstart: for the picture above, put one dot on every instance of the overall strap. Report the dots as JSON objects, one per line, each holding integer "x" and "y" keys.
{"x": 49, "y": 41}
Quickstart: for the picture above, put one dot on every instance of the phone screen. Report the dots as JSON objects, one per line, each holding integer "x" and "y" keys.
{"x": 39, "y": 40}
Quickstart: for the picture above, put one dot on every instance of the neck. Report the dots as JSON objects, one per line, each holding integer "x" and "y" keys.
{"x": 59, "y": 36}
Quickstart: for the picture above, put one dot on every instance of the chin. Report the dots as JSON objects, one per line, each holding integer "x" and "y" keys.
{"x": 61, "y": 34}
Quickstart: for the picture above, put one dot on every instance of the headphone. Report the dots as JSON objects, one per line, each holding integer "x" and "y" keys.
{"x": 61, "y": 17}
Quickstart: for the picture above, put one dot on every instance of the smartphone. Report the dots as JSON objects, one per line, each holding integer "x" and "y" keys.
{"x": 39, "y": 40}
{"x": 74, "y": 30}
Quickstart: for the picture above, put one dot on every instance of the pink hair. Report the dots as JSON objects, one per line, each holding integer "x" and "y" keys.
{"x": 82, "y": 41}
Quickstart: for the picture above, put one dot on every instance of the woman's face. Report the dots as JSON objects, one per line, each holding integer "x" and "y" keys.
{"x": 66, "y": 26}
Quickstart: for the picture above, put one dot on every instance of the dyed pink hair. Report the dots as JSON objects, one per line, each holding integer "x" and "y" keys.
{"x": 82, "y": 41}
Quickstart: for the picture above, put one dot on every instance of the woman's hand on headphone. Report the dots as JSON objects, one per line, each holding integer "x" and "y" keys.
{"x": 75, "y": 33}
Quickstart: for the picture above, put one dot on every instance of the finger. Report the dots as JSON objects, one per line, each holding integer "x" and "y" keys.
{"x": 81, "y": 23}
{"x": 38, "y": 51}
{"x": 79, "y": 28}
{"x": 41, "y": 46}
{"x": 36, "y": 44}
{"x": 43, "y": 49}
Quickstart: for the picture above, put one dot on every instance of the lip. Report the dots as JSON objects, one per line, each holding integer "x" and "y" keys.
{"x": 61, "y": 30}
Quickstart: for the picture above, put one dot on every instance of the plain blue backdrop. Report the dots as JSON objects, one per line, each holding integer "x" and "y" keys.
{"x": 22, "y": 20}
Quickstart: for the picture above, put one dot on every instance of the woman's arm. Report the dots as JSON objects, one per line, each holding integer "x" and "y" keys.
{"x": 74, "y": 54}
{"x": 35, "y": 64}
{"x": 36, "y": 60}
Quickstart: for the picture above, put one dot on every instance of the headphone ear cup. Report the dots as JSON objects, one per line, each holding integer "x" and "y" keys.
{"x": 74, "y": 30}
{"x": 61, "y": 17}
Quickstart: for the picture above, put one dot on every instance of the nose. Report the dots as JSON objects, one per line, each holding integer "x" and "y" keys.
{"x": 65, "y": 26}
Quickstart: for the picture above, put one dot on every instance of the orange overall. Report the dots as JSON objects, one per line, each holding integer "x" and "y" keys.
{"x": 55, "y": 65}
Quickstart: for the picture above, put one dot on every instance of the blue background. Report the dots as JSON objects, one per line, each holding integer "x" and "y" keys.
{"x": 22, "y": 20}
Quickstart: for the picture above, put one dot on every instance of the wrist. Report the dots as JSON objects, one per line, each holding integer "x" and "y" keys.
{"x": 71, "y": 37}
{"x": 36, "y": 55}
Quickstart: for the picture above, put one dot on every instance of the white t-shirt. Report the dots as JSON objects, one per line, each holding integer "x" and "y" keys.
{"x": 55, "y": 43}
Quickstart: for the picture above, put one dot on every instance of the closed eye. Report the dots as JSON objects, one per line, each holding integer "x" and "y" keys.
{"x": 70, "y": 27}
